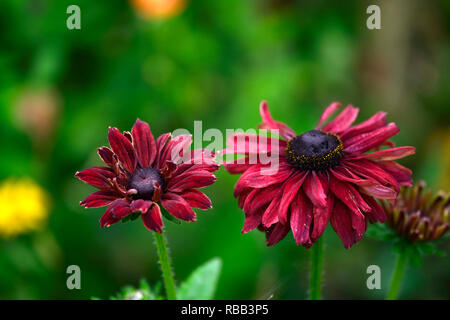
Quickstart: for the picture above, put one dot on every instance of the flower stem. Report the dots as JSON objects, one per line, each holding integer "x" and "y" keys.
{"x": 315, "y": 281}
{"x": 399, "y": 270}
{"x": 164, "y": 260}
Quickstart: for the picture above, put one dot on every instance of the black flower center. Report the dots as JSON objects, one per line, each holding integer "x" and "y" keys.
{"x": 143, "y": 180}
{"x": 314, "y": 150}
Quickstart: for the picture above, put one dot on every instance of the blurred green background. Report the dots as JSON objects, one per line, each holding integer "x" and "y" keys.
{"x": 212, "y": 61}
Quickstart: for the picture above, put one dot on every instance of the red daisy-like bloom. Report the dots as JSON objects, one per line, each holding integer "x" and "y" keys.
{"x": 141, "y": 172}
{"x": 323, "y": 175}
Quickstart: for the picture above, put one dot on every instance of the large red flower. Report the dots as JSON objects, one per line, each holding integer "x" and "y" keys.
{"x": 324, "y": 175}
{"x": 141, "y": 172}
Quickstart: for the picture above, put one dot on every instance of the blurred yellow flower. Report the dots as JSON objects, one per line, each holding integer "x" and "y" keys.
{"x": 159, "y": 8}
{"x": 24, "y": 207}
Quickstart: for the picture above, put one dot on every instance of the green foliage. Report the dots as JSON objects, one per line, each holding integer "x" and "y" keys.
{"x": 201, "y": 284}
{"x": 415, "y": 251}
{"x": 143, "y": 292}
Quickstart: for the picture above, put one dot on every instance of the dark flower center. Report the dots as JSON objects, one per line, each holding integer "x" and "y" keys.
{"x": 143, "y": 181}
{"x": 314, "y": 150}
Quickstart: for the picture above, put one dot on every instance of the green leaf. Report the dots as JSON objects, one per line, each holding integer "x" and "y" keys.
{"x": 414, "y": 255}
{"x": 201, "y": 284}
{"x": 380, "y": 232}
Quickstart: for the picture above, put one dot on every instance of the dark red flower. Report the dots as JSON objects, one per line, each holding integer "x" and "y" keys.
{"x": 324, "y": 175}
{"x": 140, "y": 172}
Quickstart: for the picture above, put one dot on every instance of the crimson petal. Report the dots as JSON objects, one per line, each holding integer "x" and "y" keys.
{"x": 315, "y": 190}
{"x": 290, "y": 189}
{"x": 99, "y": 199}
{"x": 377, "y": 121}
{"x": 349, "y": 196}
{"x": 144, "y": 143}
{"x": 377, "y": 213}
{"x": 343, "y": 121}
{"x": 106, "y": 155}
{"x": 342, "y": 224}
{"x": 321, "y": 218}
{"x": 197, "y": 199}
{"x": 190, "y": 180}
{"x": 388, "y": 154}
{"x": 123, "y": 148}
{"x": 276, "y": 234}
{"x": 116, "y": 211}
{"x": 152, "y": 218}
{"x": 373, "y": 139}
{"x": 259, "y": 176}
{"x": 269, "y": 123}
{"x": 178, "y": 207}
{"x": 328, "y": 112}
{"x": 98, "y": 177}
{"x": 140, "y": 205}
{"x": 271, "y": 214}
{"x": 253, "y": 220}
{"x": 301, "y": 218}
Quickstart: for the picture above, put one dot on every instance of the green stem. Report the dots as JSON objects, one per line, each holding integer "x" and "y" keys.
{"x": 399, "y": 270}
{"x": 315, "y": 281}
{"x": 164, "y": 260}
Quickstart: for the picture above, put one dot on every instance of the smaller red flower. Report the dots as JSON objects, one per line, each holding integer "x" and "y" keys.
{"x": 141, "y": 172}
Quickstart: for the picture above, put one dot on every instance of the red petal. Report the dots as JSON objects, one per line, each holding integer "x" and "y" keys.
{"x": 271, "y": 214}
{"x": 377, "y": 121}
{"x": 301, "y": 217}
{"x": 388, "y": 154}
{"x": 258, "y": 198}
{"x": 106, "y": 155}
{"x": 242, "y": 143}
{"x": 191, "y": 180}
{"x": 342, "y": 224}
{"x": 160, "y": 144}
{"x": 259, "y": 176}
{"x": 399, "y": 172}
{"x": 123, "y": 148}
{"x": 328, "y": 112}
{"x": 176, "y": 149}
{"x": 152, "y": 218}
{"x": 178, "y": 207}
{"x": 321, "y": 218}
{"x": 276, "y": 234}
{"x": 116, "y": 211}
{"x": 377, "y": 213}
{"x": 140, "y": 205}
{"x": 373, "y": 171}
{"x": 99, "y": 199}
{"x": 349, "y": 196}
{"x": 197, "y": 199}
{"x": 236, "y": 168}
{"x": 144, "y": 143}
{"x": 290, "y": 189}
{"x": 242, "y": 197}
{"x": 98, "y": 177}
{"x": 370, "y": 140}
{"x": 343, "y": 121}
{"x": 315, "y": 190}
{"x": 269, "y": 123}
{"x": 252, "y": 221}
{"x": 198, "y": 159}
